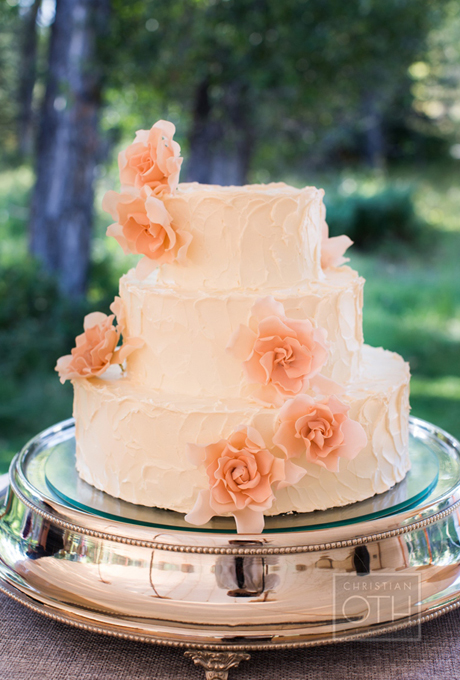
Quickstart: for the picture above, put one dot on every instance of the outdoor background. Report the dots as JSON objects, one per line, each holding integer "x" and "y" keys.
{"x": 360, "y": 97}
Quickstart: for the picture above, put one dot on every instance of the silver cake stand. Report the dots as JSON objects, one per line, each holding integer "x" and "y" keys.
{"x": 81, "y": 557}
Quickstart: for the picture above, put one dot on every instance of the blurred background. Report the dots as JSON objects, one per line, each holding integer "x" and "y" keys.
{"x": 361, "y": 98}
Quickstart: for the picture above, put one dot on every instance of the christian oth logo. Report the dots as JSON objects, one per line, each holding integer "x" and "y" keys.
{"x": 376, "y": 599}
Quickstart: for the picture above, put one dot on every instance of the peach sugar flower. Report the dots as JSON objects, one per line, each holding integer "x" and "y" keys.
{"x": 96, "y": 348}
{"x": 241, "y": 474}
{"x": 334, "y": 247}
{"x": 152, "y": 160}
{"x": 280, "y": 354}
{"x": 143, "y": 226}
{"x": 319, "y": 431}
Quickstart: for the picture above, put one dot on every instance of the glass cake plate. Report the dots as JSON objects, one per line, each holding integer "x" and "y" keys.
{"x": 64, "y": 482}
{"x": 81, "y": 557}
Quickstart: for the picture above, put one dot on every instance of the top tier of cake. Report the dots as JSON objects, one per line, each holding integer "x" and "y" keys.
{"x": 252, "y": 237}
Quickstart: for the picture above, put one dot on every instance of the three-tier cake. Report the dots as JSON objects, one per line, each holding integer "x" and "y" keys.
{"x": 243, "y": 386}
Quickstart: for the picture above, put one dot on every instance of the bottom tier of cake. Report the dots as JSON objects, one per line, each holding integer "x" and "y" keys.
{"x": 131, "y": 443}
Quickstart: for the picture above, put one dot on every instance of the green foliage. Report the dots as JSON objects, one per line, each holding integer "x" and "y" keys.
{"x": 38, "y": 325}
{"x": 413, "y": 308}
{"x": 301, "y": 79}
{"x": 28, "y": 405}
{"x": 34, "y": 324}
{"x": 386, "y": 217}
{"x": 9, "y": 61}
{"x": 436, "y": 77}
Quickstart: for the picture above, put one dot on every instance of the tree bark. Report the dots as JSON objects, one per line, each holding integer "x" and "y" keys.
{"x": 220, "y": 141}
{"x": 375, "y": 151}
{"x": 201, "y": 138}
{"x": 68, "y": 145}
{"x": 28, "y": 72}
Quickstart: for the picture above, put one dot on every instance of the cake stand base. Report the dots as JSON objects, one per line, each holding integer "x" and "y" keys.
{"x": 327, "y": 577}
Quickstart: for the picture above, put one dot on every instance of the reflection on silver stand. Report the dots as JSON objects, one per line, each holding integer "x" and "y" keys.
{"x": 80, "y": 557}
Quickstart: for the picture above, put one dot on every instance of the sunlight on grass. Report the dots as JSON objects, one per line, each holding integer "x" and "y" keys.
{"x": 443, "y": 388}
{"x": 440, "y": 208}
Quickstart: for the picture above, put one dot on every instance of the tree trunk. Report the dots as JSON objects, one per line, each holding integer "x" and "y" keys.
{"x": 28, "y": 72}
{"x": 373, "y": 133}
{"x": 68, "y": 145}
{"x": 220, "y": 145}
{"x": 201, "y": 138}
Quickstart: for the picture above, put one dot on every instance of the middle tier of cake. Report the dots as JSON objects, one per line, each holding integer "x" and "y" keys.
{"x": 132, "y": 441}
{"x": 185, "y": 335}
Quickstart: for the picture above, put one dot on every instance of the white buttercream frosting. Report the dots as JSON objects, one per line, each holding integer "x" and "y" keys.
{"x": 186, "y": 333}
{"x": 252, "y": 237}
{"x": 131, "y": 441}
{"x": 183, "y": 387}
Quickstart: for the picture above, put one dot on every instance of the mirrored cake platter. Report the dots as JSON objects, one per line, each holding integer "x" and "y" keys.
{"x": 79, "y": 556}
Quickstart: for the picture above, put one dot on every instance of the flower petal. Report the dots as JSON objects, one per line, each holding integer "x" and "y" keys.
{"x": 296, "y": 407}
{"x": 184, "y": 240}
{"x": 156, "y": 211}
{"x": 196, "y": 454}
{"x": 145, "y": 267}
{"x": 202, "y": 511}
{"x": 126, "y": 349}
{"x": 322, "y": 385}
{"x": 267, "y": 306}
{"x": 241, "y": 343}
{"x": 253, "y": 435}
{"x": 294, "y": 473}
{"x": 62, "y": 368}
{"x": 333, "y": 249}
{"x": 249, "y": 521}
{"x": 285, "y": 438}
{"x": 255, "y": 372}
{"x": 118, "y": 308}
{"x": 267, "y": 395}
{"x": 355, "y": 439}
{"x": 166, "y": 127}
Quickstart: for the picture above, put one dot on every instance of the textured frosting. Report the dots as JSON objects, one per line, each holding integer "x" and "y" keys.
{"x": 251, "y": 237}
{"x": 131, "y": 440}
{"x": 186, "y": 333}
{"x": 181, "y": 385}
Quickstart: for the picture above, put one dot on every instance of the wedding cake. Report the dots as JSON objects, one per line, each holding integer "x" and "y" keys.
{"x": 242, "y": 386}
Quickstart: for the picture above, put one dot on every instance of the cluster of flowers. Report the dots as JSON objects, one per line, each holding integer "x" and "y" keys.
{"x": 282, "y": 359}
{"x": 149, "y": 171}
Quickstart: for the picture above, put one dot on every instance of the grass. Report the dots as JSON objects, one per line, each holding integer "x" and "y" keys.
{"x": 26, "y": 409}
{"x": 414, "y": 309}
{"x": 411, "y": 303}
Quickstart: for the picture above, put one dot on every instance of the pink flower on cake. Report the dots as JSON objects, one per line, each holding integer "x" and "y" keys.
{"x": 96, "y": 349}
{"x": 241, "y": 474}
{"x": 280, "y": 354}
{"x": 319, "y": 431}
{"x": 333, "y": 248}
{"x": 152, "y": 160}
{"x": 144, "y": 227}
